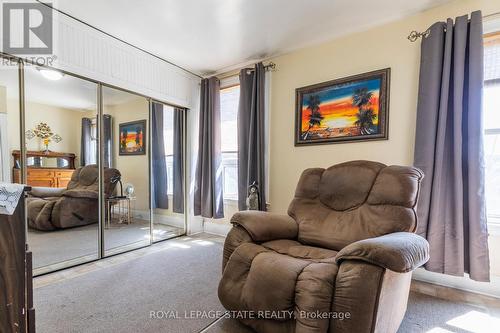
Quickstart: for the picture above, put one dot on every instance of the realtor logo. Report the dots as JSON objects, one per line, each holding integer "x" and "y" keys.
{"x": 27, "y": 28}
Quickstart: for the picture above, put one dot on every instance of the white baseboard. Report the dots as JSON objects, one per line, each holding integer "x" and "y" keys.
{"x": 217, "y": 228}
{"x": 171, "y": 220}
{"x": 491, "y": 288}
{"x": 194, "y": 224}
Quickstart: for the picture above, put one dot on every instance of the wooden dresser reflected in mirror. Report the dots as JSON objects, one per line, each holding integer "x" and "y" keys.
{"x": 47, "y": 169}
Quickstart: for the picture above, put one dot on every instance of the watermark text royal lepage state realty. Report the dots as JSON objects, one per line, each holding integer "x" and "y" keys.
{"x": 274, "y": 315}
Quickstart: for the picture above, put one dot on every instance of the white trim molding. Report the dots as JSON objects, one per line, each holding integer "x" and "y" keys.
{"x": 491, "y": 288}
{"x": 221, "y": 229}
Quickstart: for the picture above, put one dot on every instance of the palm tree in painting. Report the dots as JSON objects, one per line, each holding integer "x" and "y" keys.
{"x": 123, "y": 142}
{"x": 365, "y": 120}
{"x": 315, "y": 118}
{"x": 361, "y": 97}
{"x": 362, "y": 100}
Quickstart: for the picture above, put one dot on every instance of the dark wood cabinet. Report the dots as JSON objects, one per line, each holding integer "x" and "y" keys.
{"x": 16, "y": 287}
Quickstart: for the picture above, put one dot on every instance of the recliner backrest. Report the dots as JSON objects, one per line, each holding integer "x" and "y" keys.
{"x": 353, "y": 201}
{"x": 87, "y": 178}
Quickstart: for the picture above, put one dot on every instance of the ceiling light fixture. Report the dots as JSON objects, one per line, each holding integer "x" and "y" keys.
{"x": 50, "y": 74}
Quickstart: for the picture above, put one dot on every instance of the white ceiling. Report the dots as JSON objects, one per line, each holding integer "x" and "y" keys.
{"x": 207, "y": 36}
{"x": 69, "y": 92}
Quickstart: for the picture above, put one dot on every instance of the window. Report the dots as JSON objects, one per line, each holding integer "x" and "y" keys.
{"x": 93, "y": 141}
{"x": 492, "y": 126}
{"x": 229, "y": 99}
{"x": 168, "y": 137}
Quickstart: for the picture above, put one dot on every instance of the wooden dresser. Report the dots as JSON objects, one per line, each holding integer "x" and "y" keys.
{"x": 46, "y": 169}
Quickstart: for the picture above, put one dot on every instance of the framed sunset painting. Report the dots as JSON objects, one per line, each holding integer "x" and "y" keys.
{"x": 133, "y": 138}
{"x": 351, "y": 109}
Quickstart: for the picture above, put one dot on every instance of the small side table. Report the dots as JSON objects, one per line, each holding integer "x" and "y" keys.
{"x": 123, "y": 203}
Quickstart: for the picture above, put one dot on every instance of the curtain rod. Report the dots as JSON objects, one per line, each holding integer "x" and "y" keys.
{"x": 415, "y": 35}
{"x": 269, "y": 67}
{"x": 491, "y": 15}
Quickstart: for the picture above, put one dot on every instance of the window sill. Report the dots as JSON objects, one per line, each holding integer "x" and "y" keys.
{"x": 234, "y": 202}
{"x": 493, "y": 225}
{"x": 494, "y": 229}
{"x": 230, "y": 201}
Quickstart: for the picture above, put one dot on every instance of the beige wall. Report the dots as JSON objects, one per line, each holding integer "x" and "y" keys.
{"x": 65, "y": 122}
{"x": 13, "y": 121}
{"x": 134, "y": 168}
{"x": 3, "y": 99}
{"x": 378, "y": 48}
{"x": 385, "y": 46}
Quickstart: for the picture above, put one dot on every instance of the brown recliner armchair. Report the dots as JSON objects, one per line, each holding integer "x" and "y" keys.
{"x": 76, "y": 205}
{"x": 340, "y": 261}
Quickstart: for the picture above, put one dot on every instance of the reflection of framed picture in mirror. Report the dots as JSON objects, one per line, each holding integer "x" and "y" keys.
{"x": 133, "y": 138}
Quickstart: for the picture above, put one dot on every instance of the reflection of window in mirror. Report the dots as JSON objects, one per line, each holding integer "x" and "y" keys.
{"x": 93, "y": 142}
{"x": 167, "y": 186}
{"x": 168, "y": 134}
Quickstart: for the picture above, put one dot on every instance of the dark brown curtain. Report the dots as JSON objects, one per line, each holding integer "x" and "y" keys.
{"x": 178, "y": 167}
{"x": 208, "y": 200}
{"x": 449, "y": 148}
{"x": 251, "y": 135}
{"x": 159, "y": 195}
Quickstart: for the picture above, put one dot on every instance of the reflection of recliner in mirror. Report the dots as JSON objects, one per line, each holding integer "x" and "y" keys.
{"x": 76, "y": 205}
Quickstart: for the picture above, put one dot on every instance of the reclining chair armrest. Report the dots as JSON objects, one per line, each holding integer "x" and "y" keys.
{"x": 256, "y": 226}
{"x": 399, "y": 252}
{"x": 263, "y": 226}
{"x": 236, "y": 236}
{"x": 80, "y": 193}
{"x": 47, "y": 192}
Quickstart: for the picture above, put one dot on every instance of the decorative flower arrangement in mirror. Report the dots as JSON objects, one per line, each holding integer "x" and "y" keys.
{"x": 43, "y": 132}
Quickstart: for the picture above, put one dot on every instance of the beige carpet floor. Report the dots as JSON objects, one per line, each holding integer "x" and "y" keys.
{"x": 178, "y": 276}
{"x": 53, "y": 247}
{"x": 425, "y": 314}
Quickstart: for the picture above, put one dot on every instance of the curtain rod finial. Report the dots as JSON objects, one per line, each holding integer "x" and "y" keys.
{"x": 415, "y": 35}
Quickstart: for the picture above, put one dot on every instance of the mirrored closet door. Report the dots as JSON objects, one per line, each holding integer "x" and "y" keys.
{"x": 106, "y": 166}
{"x": 126, "y": 171}
{"x": 61, "y": 165}
{"x": 167, "y": 184}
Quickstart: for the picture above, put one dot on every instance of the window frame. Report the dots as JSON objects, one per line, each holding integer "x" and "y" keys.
{"x": 169, "y": 162}
{"x": 229, "y": 162}
{"x": 227, "y": 156}
{"x": 493, "y": 220}
{"x": 93, "y": 140}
